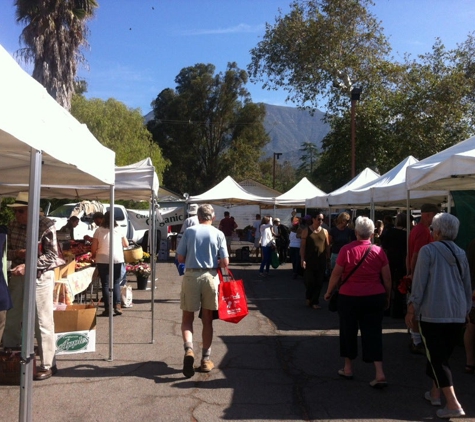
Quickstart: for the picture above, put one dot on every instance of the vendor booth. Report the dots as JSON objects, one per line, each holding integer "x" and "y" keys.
{"x": 36, "y": 135}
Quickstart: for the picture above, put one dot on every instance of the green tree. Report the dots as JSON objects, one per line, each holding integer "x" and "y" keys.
{"x": 308, "y": 159}
{"x": 54, "y": 32}
{"x": 208, "y": 128}
{"x": 119, "y": 128}
{"x": 320, "y": 50}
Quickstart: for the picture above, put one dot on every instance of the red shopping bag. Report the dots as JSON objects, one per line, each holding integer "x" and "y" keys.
{"x": 232, "y": 298}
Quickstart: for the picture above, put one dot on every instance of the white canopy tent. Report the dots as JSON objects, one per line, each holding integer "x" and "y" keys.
{"x": 450, "y": 169}
{"x": 327, "y": 201}
{"x": 388, "y": 191}
{"x": 299, "y": 194}
{"x": 227, "y": 192}
{"x": 36, "y": 135}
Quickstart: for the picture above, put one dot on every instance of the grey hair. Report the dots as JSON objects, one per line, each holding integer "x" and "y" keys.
{"x": 446, "y": 224}
{"x": 364, "y": 227}
{"x": 205, "y": 212}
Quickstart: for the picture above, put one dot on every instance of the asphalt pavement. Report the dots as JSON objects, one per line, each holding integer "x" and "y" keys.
{"x": 279, "y": 363}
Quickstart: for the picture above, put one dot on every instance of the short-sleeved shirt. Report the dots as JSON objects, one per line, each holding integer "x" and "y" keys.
{"x": 419, "y": 237}
{"x": 103, "y": 247}
{"x": 227, "y": 226}
{"x": 257, "y": 232}
{"x": 201, "y": 245}
{"x": 366, "y": 280}
{"x": 190, "y": 221}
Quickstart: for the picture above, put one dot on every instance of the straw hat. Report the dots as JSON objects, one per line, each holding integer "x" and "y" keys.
{"x": 20, "y": 201}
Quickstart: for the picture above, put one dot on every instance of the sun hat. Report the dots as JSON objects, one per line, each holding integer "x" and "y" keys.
{"x": 429, "y": 208}
{"x": 192, "y": 209}
{"x": 20, "y": 201}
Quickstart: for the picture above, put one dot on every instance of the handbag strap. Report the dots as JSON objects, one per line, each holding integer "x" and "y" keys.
{"x": 357, "y": 265}
{"x": 456, "y": 260}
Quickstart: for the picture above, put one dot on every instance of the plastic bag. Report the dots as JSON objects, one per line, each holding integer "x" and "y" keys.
{"x": 275, "y": 259}
{"x": 126, "y": 296}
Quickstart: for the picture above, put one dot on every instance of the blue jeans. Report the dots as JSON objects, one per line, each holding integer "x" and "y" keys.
{"x": 104, "y": 275}
{"x": 266, "y": 258}
{"x": 295, "y": 259}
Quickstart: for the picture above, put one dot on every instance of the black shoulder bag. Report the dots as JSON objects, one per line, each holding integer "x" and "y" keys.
{"x": 333, "y": 302}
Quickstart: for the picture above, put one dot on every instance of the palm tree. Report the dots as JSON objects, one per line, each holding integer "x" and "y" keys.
{"x": 54, "y": 32}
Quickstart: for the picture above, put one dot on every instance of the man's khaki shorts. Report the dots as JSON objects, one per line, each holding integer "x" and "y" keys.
{"x": 199, "y": 288}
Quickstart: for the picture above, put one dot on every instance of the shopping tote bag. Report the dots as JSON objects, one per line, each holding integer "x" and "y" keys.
{"x": 232, "y": 298}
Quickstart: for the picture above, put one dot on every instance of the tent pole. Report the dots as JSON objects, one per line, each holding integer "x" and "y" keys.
{"x": 29, "y": 298}
{"x": 153, "y": 262}
{"x": 111, "y": 274}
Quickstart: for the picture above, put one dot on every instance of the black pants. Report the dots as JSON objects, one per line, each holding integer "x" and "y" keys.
{"x": 366, "y": 314}
{"x": 314, "y": 275}
{"x": 440, "y": 340}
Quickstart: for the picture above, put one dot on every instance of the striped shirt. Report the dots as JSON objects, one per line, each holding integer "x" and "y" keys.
{"x": 49, "y": 255}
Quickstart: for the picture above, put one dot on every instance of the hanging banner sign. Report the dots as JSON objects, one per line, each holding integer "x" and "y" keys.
{"x": 140, "y": 219}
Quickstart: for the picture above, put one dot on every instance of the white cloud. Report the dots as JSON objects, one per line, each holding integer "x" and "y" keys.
{"x": 238, "y": 29}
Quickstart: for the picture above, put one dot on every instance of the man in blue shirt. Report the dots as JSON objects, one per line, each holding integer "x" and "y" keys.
{"x": 202, "y": 249}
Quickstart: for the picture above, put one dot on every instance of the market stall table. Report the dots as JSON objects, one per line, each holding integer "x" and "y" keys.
{"x": 67, "y": 288}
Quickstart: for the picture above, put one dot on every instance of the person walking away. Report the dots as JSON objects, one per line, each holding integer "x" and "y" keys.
{"x": 362, "y": 300}
{"x": 48, "y": 259}
{"x": 441, "y": 297}
{"x": 281, "y": 240}
{"x": 294, "y": 248}
{"x": 394, "y": 243}
{"x": 202, "y": 249}
{"x": 314, "y": 252}
{"x": 100, "y": 252}
{"x": 267, "y": 244}
{"x": 339, "y": 235}
{"x": 469, "y": 335}
{"x": 257, "y": 235}
{"x": 227, "y": 226}
{"x": 420, "y": 236}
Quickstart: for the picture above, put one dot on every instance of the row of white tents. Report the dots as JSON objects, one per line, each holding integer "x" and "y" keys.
{"x": 408, "y": 185}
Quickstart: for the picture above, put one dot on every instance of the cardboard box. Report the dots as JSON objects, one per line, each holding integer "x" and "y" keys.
{"x": 64, "y": 270}
{"x": 75, "y": 342}
{"x": 75, "y": 329}
{"x": 75, "y": 318}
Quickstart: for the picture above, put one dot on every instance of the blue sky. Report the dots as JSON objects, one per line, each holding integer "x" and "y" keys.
{"x": 137, "y": 47}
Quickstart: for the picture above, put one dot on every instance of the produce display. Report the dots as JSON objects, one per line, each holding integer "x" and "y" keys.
{"x": 83, "y": 261}
{"x": 79, "y": 248}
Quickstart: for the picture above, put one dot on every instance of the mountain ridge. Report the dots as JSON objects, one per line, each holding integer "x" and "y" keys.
{"x": 288, "y": 129}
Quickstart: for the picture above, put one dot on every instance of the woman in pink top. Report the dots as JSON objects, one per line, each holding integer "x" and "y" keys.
{"x": 362, "y": 300}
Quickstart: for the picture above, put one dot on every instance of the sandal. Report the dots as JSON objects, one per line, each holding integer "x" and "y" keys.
{"x": 469, "y": 369}
{"x": 343, "y": 374}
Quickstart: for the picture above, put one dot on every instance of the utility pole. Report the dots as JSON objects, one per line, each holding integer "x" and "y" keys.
{"x": 276, "y": 154}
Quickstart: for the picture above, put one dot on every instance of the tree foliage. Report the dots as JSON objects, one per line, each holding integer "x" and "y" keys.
{"x": 208, "y": 128}
{"x": 308, "y": 160}
{"x": 54, "y": 32}
{"x": 119, "y": 128}
{"x": 320, "y": 49}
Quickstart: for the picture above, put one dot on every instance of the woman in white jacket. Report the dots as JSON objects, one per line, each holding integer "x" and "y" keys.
{"x": 440, "y": 300}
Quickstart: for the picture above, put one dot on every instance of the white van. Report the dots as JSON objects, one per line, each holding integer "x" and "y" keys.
{"x": 86, "y": 227}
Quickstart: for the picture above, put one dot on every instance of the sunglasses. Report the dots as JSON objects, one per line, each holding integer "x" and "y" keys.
{"x": 319, "y": 219}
